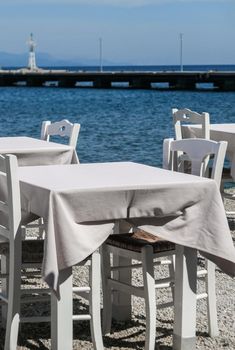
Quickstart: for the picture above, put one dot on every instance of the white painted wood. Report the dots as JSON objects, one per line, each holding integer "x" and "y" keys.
{"x": 81, "y": 317}
{"x": 62, "y": 128}
{"x": 117, "y": 283}
{"x": 61, "y": 314}
{"x": 81, "y": 289}
{"x": 8, "y": 168}
{"x": 61, "y": 310}
{"x": 185, "y": 115}
{"x": 211, "y": 300}
{"x": 121, "y": 307}
{"x": 94, "y": 281}
{"x": 107, "y": 292}
{"x": 149, "y": 296}
{"x": 172, "y": 276}
{"x": 185, "y": 298}
{"x": 122, "y": 285}
{"x": 197, "y": 150}
{"x": 45, "y": 125}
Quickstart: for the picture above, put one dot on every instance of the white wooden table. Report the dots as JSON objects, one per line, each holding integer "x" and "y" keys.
{"x": 218, "y": 132}
{"x": 80, "y": 206}
{"x": 31, "y": 151}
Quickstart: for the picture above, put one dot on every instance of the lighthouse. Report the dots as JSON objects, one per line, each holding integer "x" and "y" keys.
{"x": 32, "y": 59}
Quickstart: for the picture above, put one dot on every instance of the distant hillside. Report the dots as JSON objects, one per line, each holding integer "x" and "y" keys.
{"x": 44, "y": 60}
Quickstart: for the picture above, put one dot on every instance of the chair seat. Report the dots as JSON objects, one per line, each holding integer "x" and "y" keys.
{"x": 32, "y": 250}
{"x": 138, "y": 239}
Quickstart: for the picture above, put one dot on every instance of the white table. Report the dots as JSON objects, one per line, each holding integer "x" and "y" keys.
{"x": 31, "y": 151}
{"x": 81, "y": 204}
{"x": 218, "y": 132}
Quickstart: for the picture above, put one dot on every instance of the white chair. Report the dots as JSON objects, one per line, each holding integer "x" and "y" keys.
{"x": 144, "y": 247}
{"x": 17, "y": 254}
{"x": 183, "y": 117}
{"x": 197, "y": 150}
{"x": 10, "y": 235}
{"x": 32, "y": 257}
{"x": 186, "y": 116}
{"x": 62, "y": 128}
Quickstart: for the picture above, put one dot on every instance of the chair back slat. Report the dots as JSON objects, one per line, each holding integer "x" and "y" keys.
{"x": 61, "y": 128}
{"x": 185, "y": 116}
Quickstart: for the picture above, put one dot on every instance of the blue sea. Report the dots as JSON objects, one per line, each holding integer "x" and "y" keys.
{"x": 116, "y": 124}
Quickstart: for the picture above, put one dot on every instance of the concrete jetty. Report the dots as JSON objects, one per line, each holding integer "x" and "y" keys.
{"x": 187, "y": 80}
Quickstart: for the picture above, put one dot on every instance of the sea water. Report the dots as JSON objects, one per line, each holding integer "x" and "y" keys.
{"x": 116, "y": 124}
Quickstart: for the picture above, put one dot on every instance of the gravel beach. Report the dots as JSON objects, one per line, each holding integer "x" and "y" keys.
{"x": 131, "y": 335}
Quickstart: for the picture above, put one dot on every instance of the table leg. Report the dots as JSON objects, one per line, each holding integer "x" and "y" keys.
{"x": 122, "y": 301}
{"x": 184, "y": 337}
{"x": 61, "y": 314}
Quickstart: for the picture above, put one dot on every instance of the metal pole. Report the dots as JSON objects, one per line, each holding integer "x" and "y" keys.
{"x": 181, "y": 52}
{"x": 101, "y": 58}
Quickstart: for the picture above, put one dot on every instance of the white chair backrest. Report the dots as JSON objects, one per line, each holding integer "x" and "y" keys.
{"x": 185, "y": 116}
{"x": 62, "y": 128}
{"x": 197, "y": 150}
{"x": 10, "y": 207}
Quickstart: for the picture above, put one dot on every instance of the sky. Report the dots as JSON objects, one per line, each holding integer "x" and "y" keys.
{"x": 142, "y": 32}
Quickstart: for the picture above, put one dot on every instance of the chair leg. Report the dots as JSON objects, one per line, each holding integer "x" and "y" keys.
{"x": 150, "y": 297}
{"x": 94, "y": 281}
{"x": 172, "y": 275}
{"x": 107, "y": 291}
{"x": 13, "y": 308}
{"x": 211, "y": 300}
{"x": 41, "y": 228}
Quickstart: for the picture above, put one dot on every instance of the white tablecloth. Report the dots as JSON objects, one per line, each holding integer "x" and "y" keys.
{"x": 218, "y": 132}
{"x": 80, "y": 204}
{"x": 31, "y": 151}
